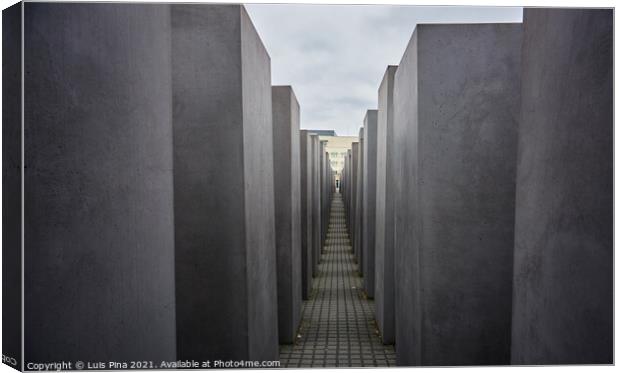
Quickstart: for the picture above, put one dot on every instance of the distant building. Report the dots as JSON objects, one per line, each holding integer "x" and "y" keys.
{"x": 323, "y": 132}
{"x": 337, "y": 147}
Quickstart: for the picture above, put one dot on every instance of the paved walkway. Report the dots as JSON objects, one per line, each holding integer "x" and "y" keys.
{"x": 338, "y": 326}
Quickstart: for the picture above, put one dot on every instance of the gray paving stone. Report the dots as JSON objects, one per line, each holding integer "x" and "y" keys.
{"x": 338, "y": 325}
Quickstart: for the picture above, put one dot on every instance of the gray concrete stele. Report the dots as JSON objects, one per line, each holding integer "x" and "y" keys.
{"x": 456, "y": 112}
{"x": 369, "y": 197}
{"x": 98, "y": 181}
{"x": 563, "y": 272}
{"x": 307, "y": 238}
{"x": 384, "y": 213}
{"x": 223, "y": 186}
{"x": 286, "y": 165}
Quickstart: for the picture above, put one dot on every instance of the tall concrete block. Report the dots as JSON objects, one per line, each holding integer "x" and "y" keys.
{"x": 348, "y": 188}
{"x": 359, "y": 204}
{"x": 369, "y": 193}
{"x": 455, "y": 131}
{"x": 353, "y": 193}
{"x": 12, "y": 186}
{"x": 324, "y": 192}
{"x": 384, "y": 213}
{"x": 563, "y": 269}
{"x": 98, "y": 183}
{"x": 305, "y": 152}
{"x": 328, "y": 188}
{"x": 223, "y": 186}
{"x": 345, "y": 183}
{"x": 316, "y": 203}
{"x": 286, "y": 165}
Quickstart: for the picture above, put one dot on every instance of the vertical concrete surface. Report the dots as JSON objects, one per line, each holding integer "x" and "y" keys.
{"x": 98, "y": 183}
{"x": 305, "y": 171}
{"x": 563, "y": 270}
{"x": 223, "y": 186}
{"x": 353, "y": 193}
{"x": 343, "y": 180}
{"x": 369, "y": 192}
{"x": 384, "y": 213}
{"x": 344, "y": 187}
{"x": 286, "y": 163}
{"x": 350, "y": 189}
{"x": 316, "y": 203}
{"x": 324, "y": 192}
{"x": 347, "y": 188}
{"x": 455, "y": 127}
{"x": 12, "y": 186}
{"x": 359, "y": 204}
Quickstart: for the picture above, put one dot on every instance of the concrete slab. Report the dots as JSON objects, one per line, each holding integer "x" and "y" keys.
{"x": 223, "y": 184}
{"x": 316, "y": 203}
{"x": 353, "y": 194}
{"x": 369, "y": 193}
{"x": 384, "y": 231}
{"x": 359, "y": 205}
{"x": 98, "y": 183}
{"x": 349, "y": 189}
{"x": 327, "y": 195}
{"x": 346, "y": 188}
{"x": 305, "y": 151}
{"x": 456, "y": 112}
{"x": 12, "y": 185}
{"x": 324, "y": 193}
{"x": 286, "y": 165}
{"x": 563, "y": 280}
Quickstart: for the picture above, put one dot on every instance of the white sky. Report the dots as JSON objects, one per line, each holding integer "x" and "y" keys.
{"x": 334, "y": 56}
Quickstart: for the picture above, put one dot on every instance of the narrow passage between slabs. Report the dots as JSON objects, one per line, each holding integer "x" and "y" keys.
{"x": 338, "y": 325}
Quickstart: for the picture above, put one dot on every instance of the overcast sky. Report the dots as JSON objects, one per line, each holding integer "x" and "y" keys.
{"x": 334, "y": 56}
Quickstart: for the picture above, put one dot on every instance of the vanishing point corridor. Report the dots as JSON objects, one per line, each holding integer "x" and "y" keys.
{"x": 194, "y": 186}
{"x": 338, "y": 327}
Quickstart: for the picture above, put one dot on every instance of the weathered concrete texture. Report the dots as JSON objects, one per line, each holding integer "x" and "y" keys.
{"x": 353, "y": 193}
{"x": 322, "y": 187}
{"x": 455, "y": 131}
{"x": 349, "y": 189}
{"x": 98, "y": 193}
{"x": 316, "y": 203}
{"x": 359, "y": 206}
{"x": 350, "y": 176}
{"x": 286, "y": 164}
{"x": 325, "y": 191}
{"x": 305, "y": 152}
{"x": 328, "y": 192}
{"x": 343, "y": 184}
{"x": 223, "y": 186}
{"x": 563, "y": 280}
{"x": 346, "y": 189}
{"x": 369, "y": 193}
{"x": 331, "y": 186}
{"x": 11, "y": 186}
{"x": 384, "y": 213}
